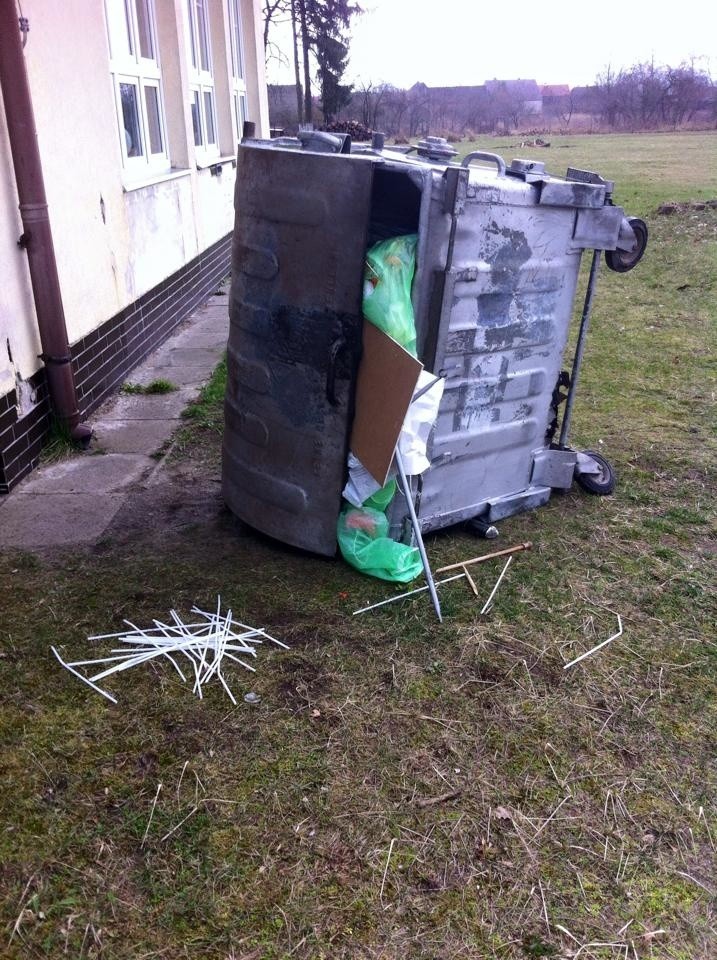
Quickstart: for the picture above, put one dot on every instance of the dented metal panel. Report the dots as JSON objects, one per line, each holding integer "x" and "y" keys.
{"x": 504, "y": 323}
{"x": 295, "y": 340}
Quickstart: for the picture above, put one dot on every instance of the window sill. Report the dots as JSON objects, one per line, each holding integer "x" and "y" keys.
{"x": 207, "y": 162}
{"x": 130, "y": 185}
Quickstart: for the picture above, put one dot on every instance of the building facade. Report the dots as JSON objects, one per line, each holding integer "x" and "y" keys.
{"x": 138, "y": 105}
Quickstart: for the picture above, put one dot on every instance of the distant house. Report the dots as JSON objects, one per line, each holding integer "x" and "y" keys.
{"x": 138, "y": 106}
{"x": 520, "y": 92}
{"x": 475, "y": 107}
{"x": 456, "y": 108}
{"x": 556, "y": 99}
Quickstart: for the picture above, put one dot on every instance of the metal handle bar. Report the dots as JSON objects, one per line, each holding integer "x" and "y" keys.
{"x": 336, "y": 347}
{"x": 490, "y": 157}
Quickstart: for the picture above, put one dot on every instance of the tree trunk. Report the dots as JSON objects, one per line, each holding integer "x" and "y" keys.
{"x": 297, "y": 71}
{"x": 305, "y": 43}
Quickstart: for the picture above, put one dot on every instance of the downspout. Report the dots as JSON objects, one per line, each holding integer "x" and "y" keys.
{"x": 36, "y": 239}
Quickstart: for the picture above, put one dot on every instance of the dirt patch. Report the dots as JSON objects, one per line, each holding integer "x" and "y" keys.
{"x": 177, "y": 496}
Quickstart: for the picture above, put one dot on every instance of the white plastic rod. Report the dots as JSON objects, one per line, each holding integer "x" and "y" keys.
{"x": 410, "y": 593}
{"x": 83, "y": 679}
{"x": 486, "y": 605}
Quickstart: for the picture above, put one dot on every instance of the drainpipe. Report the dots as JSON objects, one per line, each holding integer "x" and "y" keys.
{"x": 36, "y": 239}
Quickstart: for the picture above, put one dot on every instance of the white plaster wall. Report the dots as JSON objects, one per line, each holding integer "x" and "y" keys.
{"x": 112, "y": 244}
{"x": 216, "y": 204}
{"x": 67, "y": 62}
{"x": 160, "y": 224}
{"x": 255, "y": 66}
{"x": 18, "y": 326}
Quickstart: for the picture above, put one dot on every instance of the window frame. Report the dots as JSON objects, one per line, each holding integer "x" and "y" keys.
{"x": 201, "y": 80}
{"x": 237, "y": 66}
{"x": 142, "y": 73}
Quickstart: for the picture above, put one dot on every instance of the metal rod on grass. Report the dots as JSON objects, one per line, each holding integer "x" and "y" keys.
{"x": 409, "y": 593}
{"x": 419, "y": 538}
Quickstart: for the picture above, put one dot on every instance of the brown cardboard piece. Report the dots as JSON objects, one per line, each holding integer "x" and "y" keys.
{"x": 386, "y": 382}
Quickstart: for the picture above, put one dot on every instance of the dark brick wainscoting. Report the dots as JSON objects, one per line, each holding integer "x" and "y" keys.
{"x": 103, "y": 358}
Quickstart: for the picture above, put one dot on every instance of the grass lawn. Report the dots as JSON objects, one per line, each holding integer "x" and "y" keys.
{"x": 403, "y": 789}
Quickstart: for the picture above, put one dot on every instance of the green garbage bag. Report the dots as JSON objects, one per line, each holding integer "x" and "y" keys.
{"x": 388, "y": 276}
{"x": 381, "y": 499}
{"x": 363, "y": 531}
{"x": 365, "y": 544}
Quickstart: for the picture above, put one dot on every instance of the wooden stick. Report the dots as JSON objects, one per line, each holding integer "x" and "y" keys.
{"x": 486, "y": 556}
{"x": 470, "y": 580}
{"x": 432, "y": 801}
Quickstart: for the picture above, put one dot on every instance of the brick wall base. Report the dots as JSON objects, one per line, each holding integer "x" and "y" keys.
{"x": 102, "y": 359}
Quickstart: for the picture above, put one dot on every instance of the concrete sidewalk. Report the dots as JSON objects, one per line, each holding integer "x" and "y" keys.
{"x": 75, "y": 500}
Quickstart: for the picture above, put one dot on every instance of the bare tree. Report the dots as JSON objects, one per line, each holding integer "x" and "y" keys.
{"x": 274, "y": 12}
{"x": 372, "y": 97}
{"x": 396, "y": 105}
{"x": 297, "y": 69}
{"x": 418, "y": 109}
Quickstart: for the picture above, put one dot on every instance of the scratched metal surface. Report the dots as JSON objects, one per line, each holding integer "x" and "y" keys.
{"x": 506, "y": 314}
{"x": 297, "y": 266}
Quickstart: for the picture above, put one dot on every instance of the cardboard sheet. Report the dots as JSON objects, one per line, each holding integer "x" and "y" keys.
{"x": 386, "y": 383}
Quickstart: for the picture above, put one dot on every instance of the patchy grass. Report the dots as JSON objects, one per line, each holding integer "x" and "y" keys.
{"x": 404, "y": 789}
{"x": 156, "y": 386}
{"x": 207, "y": 411}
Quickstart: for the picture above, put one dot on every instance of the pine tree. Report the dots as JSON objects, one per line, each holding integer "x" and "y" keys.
{"x": 323, "y": 29}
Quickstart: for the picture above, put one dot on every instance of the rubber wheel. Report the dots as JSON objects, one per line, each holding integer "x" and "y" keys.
{"x": 600, "y": 484}
{"x": 623, "y": 260}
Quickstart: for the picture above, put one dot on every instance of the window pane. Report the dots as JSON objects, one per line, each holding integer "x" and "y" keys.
{"x": 119, "y": 30}
{"x": 192, "y": 29}
{"x": 202, "y": 31}
{"x": 240, "y": 111}
{"x": 196, "y": 120}
{"x": 237, "y": 62}
{"x": 209, "y": 116}
{"x": 130, "y": 118}
{"x": 151, "y": 99}
{"x": 144, "y": 29}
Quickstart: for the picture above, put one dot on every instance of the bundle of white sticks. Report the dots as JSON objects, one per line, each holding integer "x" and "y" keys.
{"x": 206, "y": 643}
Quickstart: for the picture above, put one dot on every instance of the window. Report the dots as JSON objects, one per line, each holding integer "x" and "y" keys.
{"x": 237, "y": 67}
{"x": 137, "y": 79}
{"x": 201, "y": 79}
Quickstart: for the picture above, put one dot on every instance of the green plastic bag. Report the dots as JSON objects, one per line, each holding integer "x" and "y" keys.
{"x": 388, "y": 276}
{"x": 365, "y": 544}
{"x": 363, "y": 531}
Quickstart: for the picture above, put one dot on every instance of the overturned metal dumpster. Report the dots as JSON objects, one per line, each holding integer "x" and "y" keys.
{"x": 498, "y": 257}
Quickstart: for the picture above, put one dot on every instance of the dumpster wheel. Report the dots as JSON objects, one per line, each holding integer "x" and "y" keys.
{"x": 600, "y": 484}
{"x": 623, "y": 260}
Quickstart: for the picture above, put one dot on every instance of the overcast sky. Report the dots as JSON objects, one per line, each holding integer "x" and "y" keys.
{"x": 465, "y": 42}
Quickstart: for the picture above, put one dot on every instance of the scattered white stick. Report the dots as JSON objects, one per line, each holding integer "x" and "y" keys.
{"x": 489, "y": 601}
{"x": 385, "y": 872}
{"x": 205, "y": 644}
{"x": 83, "y": 679}
{"x": 151, "y": 814}
{"x": 593, "y": 650}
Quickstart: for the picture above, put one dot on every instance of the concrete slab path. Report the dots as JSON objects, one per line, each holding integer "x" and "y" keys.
{"x": 75, "y": 500}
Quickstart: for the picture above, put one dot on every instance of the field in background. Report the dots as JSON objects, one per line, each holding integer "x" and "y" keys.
{"x": 647, "y": 170}
{"x": 404, "y": 789}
